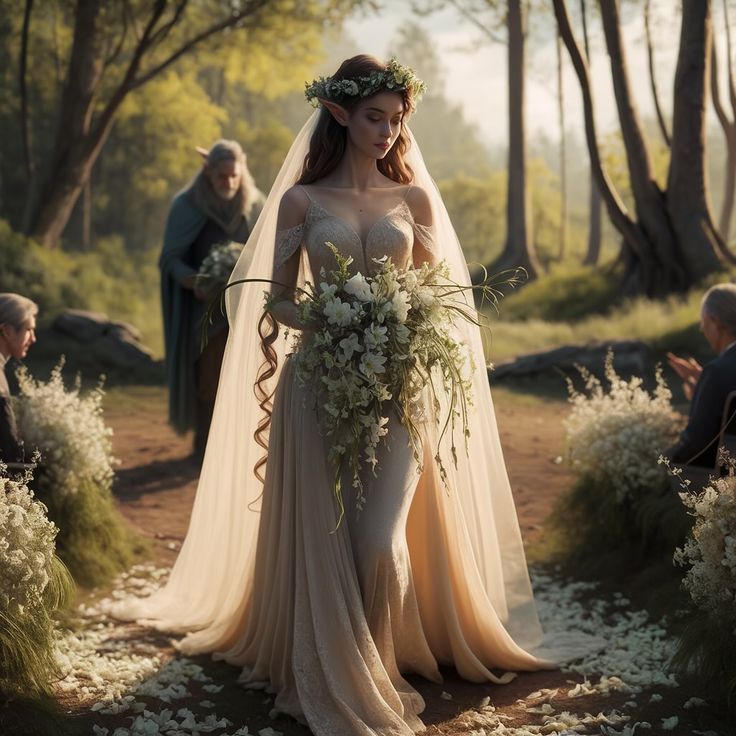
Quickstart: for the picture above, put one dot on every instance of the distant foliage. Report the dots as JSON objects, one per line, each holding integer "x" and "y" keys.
{"x": 124, "y": 286}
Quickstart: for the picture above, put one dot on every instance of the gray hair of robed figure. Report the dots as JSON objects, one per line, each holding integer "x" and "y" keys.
{"x": 16, "y": 310}
{"x": 719, "y": 303}
{"x": 227, "y": 213}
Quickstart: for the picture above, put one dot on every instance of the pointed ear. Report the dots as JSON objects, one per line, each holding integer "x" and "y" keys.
{"x": 203, "y": 152}
{"x": 338, "y": 112}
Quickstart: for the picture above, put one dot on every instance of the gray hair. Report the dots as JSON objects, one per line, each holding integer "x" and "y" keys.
{"x": 16, "y": 310}
{"x": 226, "y": 150}
{"x": 719, "y": 303}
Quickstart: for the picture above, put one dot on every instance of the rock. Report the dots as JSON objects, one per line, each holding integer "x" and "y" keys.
{"x": 630, "y": 357}
{"x": 94, "y": 345}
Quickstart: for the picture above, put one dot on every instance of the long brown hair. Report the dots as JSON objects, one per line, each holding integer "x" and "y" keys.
{"x": 329, "y": 140}
{"x": 326, "y": 149}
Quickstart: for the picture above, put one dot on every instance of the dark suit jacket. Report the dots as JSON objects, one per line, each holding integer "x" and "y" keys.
{"x": 698, "y": 443}
{"x": 11, "y": 447}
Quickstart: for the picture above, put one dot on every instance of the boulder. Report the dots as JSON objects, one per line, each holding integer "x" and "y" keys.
{"x": 630, "y": 357}
{"x": 94, "y": 344}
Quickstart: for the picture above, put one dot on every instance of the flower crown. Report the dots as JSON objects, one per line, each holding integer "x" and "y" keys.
{"x": 396, "y": 78}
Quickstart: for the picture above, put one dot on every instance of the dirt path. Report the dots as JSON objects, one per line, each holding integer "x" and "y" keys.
{"x": 157, "y": 480}
{"x": 156, "y": 484}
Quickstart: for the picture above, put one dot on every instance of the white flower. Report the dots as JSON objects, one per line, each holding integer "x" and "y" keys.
{"x": 350, "y": 345}
{"x": 329, "y": 290}
{"x": 371, "y": 363}
{"x": 339, "y": 313}
{"x": 358, "y": 287}
{"x": 375, "y": 336}
{"x": 400, "y": 304}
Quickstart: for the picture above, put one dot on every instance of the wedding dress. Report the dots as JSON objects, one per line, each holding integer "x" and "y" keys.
{"x": 329, "y": 617}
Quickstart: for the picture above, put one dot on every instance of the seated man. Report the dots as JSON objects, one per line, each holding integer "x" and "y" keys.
{"x": 708, "y": 386}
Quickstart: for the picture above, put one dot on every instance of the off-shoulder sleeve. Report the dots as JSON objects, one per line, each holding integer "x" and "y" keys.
{"x": 425, "y": 234}
{"x": 287, "y": 243}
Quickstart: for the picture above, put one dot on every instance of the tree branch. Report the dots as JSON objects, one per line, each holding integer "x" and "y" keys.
{"x": 715, "y": 91}
{"x": 115, "y": 53}
{"x": 652, "y": 78}
{"x": 466, "y": 13}
{"x": 165, "y": 29}
{"x": 252, "y": 7}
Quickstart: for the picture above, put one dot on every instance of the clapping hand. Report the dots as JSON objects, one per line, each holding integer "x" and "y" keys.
{"x": 688, "y": 369}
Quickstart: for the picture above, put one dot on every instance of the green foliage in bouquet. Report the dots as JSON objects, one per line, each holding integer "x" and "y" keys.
{"x": 75, "y": 476}
{"x": 34, "y": 584}
{"x": 707, "y": 638}
{"x": 621, "y": 508}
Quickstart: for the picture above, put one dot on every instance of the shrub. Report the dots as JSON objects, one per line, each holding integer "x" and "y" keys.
{"x": 621, "y": 499}
{"x": 76, "y": 474}
{"x": 707, "y": 642}
{"x": 33, "y": 585}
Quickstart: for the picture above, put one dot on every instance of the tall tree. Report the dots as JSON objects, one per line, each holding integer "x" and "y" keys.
{"x": 727, "y": 125}
{"x": 116, "y": 49}
{"x": 489, "y": 17}
{"x": 670, "y": 241}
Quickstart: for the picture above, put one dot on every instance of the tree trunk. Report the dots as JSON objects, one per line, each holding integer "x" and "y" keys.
{"x": 649, "y": 200}
{"x": 595, "y": 203}
{"x": 518, "y": 249}
{"x": 563, "y": 153}
{"x": 729, "y": 129}
{"x": 74, "y": 156}
{"x": 687, "y": 188}
{"x": 729, "y": 188}
{"x": 593, "y": 251}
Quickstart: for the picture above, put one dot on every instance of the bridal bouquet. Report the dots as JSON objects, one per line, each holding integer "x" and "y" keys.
{"x": 383, "y": 341}
{"x": 218, "y": 265}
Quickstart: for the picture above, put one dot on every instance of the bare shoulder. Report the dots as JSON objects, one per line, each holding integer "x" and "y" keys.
{"x": 293, "y": 207}
{"x": 419, "y": 203}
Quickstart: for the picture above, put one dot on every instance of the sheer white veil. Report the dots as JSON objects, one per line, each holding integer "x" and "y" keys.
{"x": 214, "y": 571}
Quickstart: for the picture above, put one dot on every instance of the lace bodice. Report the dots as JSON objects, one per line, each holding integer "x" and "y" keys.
{"x": 391, "y": 235}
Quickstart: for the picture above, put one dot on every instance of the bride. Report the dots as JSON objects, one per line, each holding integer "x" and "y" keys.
{"x": 329, "y": 615}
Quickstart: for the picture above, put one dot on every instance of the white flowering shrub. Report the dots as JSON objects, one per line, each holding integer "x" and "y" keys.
{"x": 67, "y": 428}
{"x": 33, "y": 584}
{"x": 615, "y": 435}
{"x": 709, "y": 554}
{"x": 75, "y": 474}
{"x": 708, "y": 640}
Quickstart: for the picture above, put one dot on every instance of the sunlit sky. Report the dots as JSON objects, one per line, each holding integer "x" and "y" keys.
{"x": 476, "y": 78}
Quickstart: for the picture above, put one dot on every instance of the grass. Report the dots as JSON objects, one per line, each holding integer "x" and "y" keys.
{"x": 671, "y": 324}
